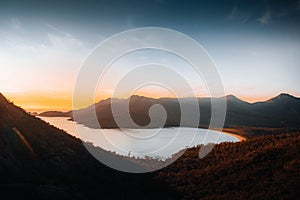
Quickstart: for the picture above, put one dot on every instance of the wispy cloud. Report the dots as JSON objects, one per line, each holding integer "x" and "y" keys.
{"x": 265, "y": 19}
{"x": 129, "y": 24}
{"x": 16, "y": 24}
{"x": 63, "y": 39}
{"x": 236, "y": 15}
{"x": 233, "y": 12}
{"x": 64, "y": 42}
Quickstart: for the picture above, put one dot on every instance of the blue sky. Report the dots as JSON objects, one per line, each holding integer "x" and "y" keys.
{"x": 254, "y": 44}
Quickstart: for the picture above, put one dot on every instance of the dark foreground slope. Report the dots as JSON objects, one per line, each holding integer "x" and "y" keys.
{"x": 267, "y": 167}
{"x": 39, "y": 161}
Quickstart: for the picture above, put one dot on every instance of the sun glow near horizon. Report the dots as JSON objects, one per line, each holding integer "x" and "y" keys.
{"x": 41, "y": 101}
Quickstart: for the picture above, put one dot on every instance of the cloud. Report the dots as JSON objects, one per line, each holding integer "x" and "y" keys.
{"x": 233, "y": 13}
{"x": 49, "y": 41}
{"x": 129, "y": 24}
{"x": 237, "y": 15}
{"x": 265, "y": 19}
{"x": 60, "y": 39}
{"x": 64, "y": 42}
{"x": 16, "y": 24}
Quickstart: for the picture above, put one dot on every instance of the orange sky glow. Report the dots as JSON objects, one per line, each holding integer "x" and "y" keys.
{"x": 39, "y": 102}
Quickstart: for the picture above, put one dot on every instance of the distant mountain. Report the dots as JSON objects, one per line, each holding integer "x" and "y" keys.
{"x": 280, "y": 111}
{"x": 284, "y": 110}
{"x": 55, "y": 114}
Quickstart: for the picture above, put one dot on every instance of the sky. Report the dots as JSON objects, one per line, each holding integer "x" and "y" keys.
{"x": 255, "y": 44}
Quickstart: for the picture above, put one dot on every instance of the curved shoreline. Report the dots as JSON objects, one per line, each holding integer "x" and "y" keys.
{"x": 239, "y": 137}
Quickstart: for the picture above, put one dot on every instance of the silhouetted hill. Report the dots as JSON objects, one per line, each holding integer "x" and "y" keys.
{"x": 284, "y": 110}
{"x": 266, "y": 167}
{"x": 280, "y": 111}
{"x": 55, "y": 114}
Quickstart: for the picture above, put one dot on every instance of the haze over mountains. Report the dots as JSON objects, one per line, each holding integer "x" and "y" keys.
{"x": 280, "y": 111}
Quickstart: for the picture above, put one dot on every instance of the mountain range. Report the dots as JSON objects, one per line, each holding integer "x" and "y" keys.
{"x": 280, "y": 111}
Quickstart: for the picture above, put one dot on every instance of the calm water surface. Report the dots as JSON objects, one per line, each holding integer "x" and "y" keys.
{"x": 159, "y": 143}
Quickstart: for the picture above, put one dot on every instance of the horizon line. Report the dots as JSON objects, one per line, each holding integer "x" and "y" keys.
{"x": 51, "y": 107}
